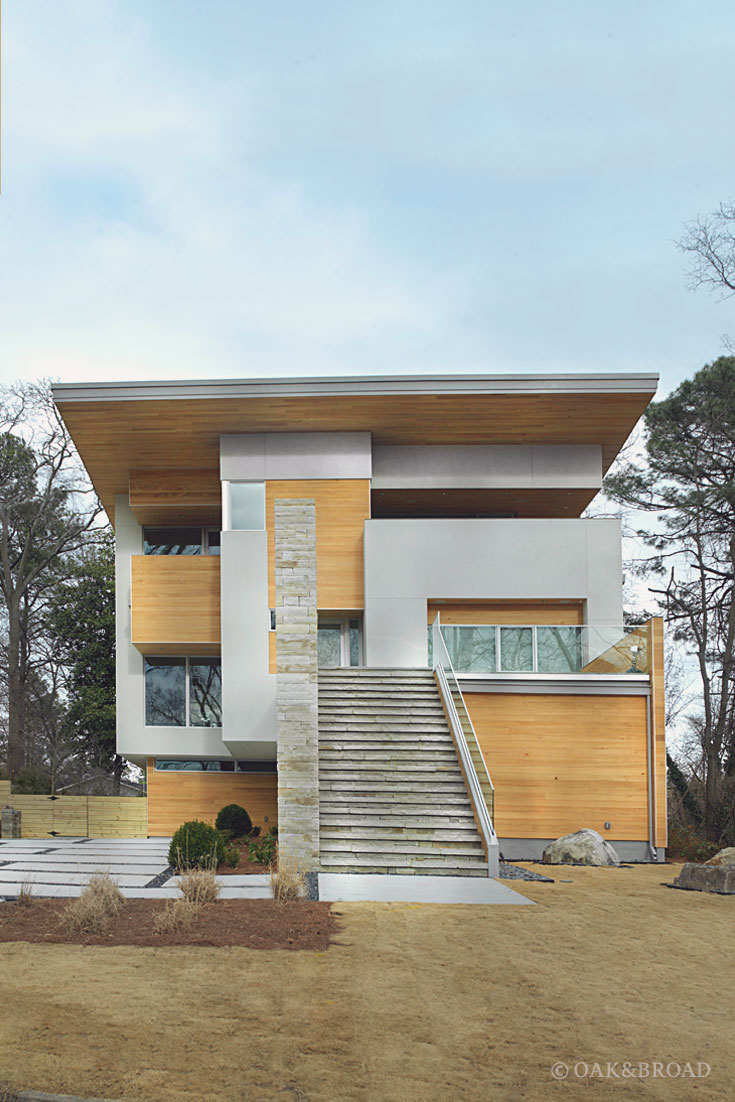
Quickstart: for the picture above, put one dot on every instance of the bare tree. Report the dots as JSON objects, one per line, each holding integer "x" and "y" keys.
{"x": 48, "y": 512}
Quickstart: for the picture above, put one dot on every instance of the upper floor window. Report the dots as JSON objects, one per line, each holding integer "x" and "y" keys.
{"x": 181, "y": 541}
{"x": 183, "y": 692}
{"x": 243, "y": 506}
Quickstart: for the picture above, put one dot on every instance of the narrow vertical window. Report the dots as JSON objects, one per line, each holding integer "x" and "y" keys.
{"x": 246, "y": 512}
{"x": 205, "y": 692}
{"x": 165, "y": 692}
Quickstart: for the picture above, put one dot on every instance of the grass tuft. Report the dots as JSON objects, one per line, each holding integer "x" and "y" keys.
{"x": 199, "y": 886}
{"x": 287, "y": 880}
{"x": 177, "y": 915}
{"x": 25, "y": 896}
{"x": 91, "y": 912}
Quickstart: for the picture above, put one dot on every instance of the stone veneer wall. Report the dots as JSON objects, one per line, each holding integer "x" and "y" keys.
{"x": 296, "y": 681}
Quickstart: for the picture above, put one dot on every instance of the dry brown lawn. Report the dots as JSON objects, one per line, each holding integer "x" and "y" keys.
{"x": 413, "y": 1002}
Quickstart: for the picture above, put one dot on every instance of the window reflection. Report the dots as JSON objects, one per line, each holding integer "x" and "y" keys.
{"x": 516, "y": 650}
{"x": 183, "y": 691}
{"x": 205, "y": 692}
{"x": 165, "y": 692}
{"x": 172, "y": 541}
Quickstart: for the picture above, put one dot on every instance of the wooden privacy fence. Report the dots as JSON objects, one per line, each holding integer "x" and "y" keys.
{"x": 79, "y": 816}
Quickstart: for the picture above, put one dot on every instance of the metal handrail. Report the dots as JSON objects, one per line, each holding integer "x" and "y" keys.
{"x": 479, "y": 801}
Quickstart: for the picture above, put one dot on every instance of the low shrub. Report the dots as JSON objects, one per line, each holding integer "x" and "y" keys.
{"x": 287, "y": 880}
{"x": 236, "y": 819}
{"x": 690, "y": 844}
{"x": 196, "y": 845}
{"x": 255, "y": 832}
{"x": 176, "y": 915}
{"x": 232, "y": 856}
{"x": 91, "y": 912}
{"x": 199, "y": 886}
{"x": 273, "y": 832}
{"x": 262, "y": 851}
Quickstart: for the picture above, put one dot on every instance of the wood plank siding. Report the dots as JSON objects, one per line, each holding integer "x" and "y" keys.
{"x": 507, "y": 612}
{"x": 114, "y": 437}
{"x": 656, "y": 656}
{"x": 562, "y": 762}
{"x": 174, "y": 798}
{"x": 176, "y": 601}
{"x": 342, "y": 507}
{"x": 176, "y": 496}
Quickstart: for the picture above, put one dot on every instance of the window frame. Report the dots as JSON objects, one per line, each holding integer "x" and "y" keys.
{"x": 203, "y": 529}
{"x": 187, "y": 660}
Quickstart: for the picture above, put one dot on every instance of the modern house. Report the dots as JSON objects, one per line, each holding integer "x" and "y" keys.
{"x": 367, "y": 609}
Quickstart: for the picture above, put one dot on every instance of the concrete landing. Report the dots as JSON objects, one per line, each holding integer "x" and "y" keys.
{"x": 372, "y": 888}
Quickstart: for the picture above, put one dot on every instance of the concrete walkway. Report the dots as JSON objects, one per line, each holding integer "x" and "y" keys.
{"x": 371, "y": 887}
{"x": 61, "y": 867}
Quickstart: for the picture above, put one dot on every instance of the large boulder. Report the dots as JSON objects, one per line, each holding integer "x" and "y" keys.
{"x": 707, "y": 878}
{"x": 724, "y": 857}
{"x": 584, "y": 847}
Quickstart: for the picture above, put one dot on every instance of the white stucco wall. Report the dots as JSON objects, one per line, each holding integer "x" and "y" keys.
{"x": 408, "y": 562}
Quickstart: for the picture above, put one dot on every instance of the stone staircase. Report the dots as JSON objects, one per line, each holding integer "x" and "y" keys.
{"x": 392, "y": 798}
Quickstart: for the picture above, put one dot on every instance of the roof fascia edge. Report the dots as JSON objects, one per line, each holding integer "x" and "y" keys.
{"x": 357, "y": 385}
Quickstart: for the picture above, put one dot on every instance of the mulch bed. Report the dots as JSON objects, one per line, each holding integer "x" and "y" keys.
{"x": 253, "y": 923}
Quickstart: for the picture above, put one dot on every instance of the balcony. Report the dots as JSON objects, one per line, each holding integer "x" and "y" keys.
{"x": 176, "y": 604}
{"x": 564, "y": 649}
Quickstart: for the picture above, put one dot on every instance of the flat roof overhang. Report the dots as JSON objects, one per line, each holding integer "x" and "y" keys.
{"x": 119, "y": 426}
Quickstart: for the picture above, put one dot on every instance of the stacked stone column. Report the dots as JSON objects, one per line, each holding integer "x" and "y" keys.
{"x": 297, "y": 688}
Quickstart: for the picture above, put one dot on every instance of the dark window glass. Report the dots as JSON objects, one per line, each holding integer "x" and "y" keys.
{"x": 172, "y": 541}
{"x": 194, "y": 765}
{"x": 213, "y": 541}
{"x": 256, "y": 767}
{"x": 165, "y": 692}
{"x": 205, "y": 692}
{"x": 354, "y": 642}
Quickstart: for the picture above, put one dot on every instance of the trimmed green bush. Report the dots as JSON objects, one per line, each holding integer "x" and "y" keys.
{"x": 235, "y": 819}
{"x": 196, "y": 845}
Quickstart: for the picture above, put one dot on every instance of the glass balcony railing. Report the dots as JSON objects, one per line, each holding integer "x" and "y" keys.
{"x": 545, "y": 648}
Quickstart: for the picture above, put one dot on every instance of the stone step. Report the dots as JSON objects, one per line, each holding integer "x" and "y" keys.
{"x": 414, "y": 860}
{"x": 388, "y": 767}
{"x": 386, "y": 756}
{"x": 449, "y": 785}
{"x": 424, "y": 833}
{"x": 396, "y": 802}
{"x": 394, "y": 744}
{"x": 405, "y": 870}
{"x": 449, "y": 821}
{"x": 380, "y": 708}
{"x": 376, "y": 671}
{"x": 407, "y": 846}
{"x": 349, "y": 722}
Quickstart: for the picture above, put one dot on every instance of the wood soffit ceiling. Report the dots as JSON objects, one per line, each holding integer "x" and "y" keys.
{"x": 114, "y": 436}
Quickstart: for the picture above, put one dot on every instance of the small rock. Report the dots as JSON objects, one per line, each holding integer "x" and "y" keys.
{"x": 724, "y": 857}
{"x": 707, "y": 878}
{"x": 584, "y": 847}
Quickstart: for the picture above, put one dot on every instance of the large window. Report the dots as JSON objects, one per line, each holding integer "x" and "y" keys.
{"x": 183, "y": 692}
{"x": 181, "y": 541}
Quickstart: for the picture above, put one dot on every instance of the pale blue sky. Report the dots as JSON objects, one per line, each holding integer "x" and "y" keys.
{"x": 234, "y": 188}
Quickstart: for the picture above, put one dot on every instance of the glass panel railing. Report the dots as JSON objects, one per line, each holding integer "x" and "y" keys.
{"x": 545, "y": 648}
{"x": 473, "y": 761}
